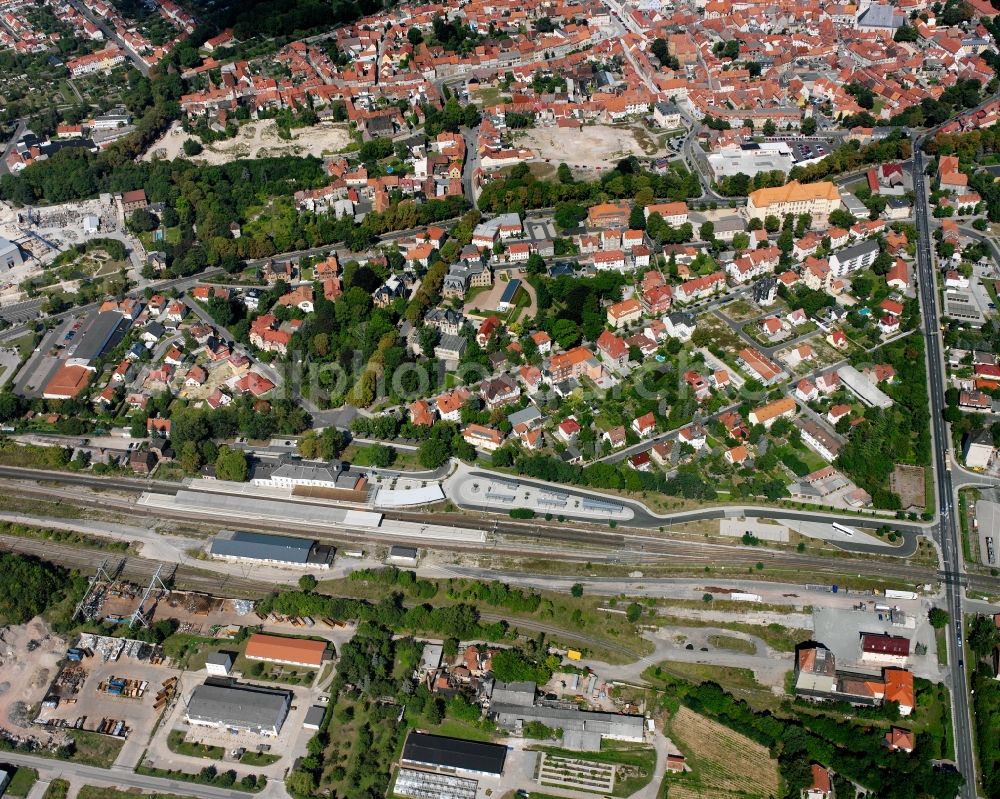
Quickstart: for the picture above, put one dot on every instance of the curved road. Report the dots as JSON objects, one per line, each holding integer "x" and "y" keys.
{"x": 644, "y": 518}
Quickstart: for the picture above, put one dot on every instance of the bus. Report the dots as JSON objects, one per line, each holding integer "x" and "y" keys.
{"x": 843, "y": 528}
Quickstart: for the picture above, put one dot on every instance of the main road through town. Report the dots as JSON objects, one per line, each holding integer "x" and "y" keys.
{"x": 950, "y": 546}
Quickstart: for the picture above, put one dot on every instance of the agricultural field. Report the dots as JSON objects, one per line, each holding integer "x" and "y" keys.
{"x": 724, "y": 764}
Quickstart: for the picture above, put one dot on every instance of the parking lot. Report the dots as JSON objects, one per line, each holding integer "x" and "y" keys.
{"x": 840, "y": 631}
{"x": 21, "y": 312}
{"x": 501, "y": 495}
{"x": 9, "y": 359}
{"x": 44, "y": 361}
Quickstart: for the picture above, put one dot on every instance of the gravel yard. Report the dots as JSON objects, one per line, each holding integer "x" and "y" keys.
{"x": 593, "y": 148}
{"x": 255, "y": 140}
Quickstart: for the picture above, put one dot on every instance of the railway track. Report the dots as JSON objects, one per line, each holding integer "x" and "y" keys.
{"x": 507, "y": 538}
{"x": 136, "y": 568}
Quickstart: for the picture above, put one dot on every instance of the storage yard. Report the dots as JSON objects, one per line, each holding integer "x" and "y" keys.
{"x": 112, "y": 686}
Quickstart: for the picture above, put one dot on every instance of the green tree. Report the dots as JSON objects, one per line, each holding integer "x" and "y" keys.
{"x": 307, "y": 583}
{"x": 331, "y": 443}
{"x": 636, "y": 218}
{"x": 938, "y": 617}
{"x": 660, "y": 50}
{"x": 566, "y": 332}
{"x": 231, "y": 464}
{"x": 633, "y": 612}
{"x": 190, "y": 457}
{"x": 433, "y": 453}
{"x": 984, "y": 637}
{"x": 576, "y": 590}
{"x": 381, "y": 456}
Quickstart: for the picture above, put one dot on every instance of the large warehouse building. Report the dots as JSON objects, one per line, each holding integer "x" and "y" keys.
{"x": 282, "y": 550}
{"x": 454, "y": 754}
{"x": 224, "y": 704}
{"x": 292, "y": 651}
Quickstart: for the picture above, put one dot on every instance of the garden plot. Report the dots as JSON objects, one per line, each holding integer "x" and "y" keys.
{"x": 587, "y": 775}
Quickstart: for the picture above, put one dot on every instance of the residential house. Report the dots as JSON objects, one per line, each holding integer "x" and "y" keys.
{"x": 481, "y": 437}
{"x": 624, "y": 313}
{"x": 767, "y": 414}
{"x": 613, "y": 349}
{"x": 616, "y": 437}
{"x": 578, "y": 362}
{"x": 500, "y": 391}
{"x": 543, "y": 341}
{"x": 449, "y": 405}
{"x": 645, "y": 425}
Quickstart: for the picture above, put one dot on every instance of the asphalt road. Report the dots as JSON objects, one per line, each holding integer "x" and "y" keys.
{"x": 124, "y": 780}
{"x": 950, "y": 546}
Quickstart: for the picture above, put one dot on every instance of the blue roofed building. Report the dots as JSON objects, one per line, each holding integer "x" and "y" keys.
{"x": 276, "y": 549}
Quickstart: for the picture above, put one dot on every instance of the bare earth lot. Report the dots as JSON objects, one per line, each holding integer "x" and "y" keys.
{"x": 255, "y": 140}
{"x": 593, "y": 148}
{"x": 26, "y": 670}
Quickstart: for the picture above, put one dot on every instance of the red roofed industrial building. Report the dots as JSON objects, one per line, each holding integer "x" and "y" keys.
{"x": 885, "y": 648}
{"x": 67, "y": 382}
{"x": 292, "y": 651}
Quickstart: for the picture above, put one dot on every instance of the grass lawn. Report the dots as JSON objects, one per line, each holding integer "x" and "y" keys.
{"x": 474, "y": 292}
{"x": 25, "y": 344}
{"x": 965, "y": 498}
{"x": 58, "y": 789}
{"x": 93, "y": 792}
{"x": 739, "y": 682}
{"x": 22, "y": 781}
{"x": 932, "y": 715}
{"x": 259, "y": 758}
{"x": 274, "y": 672}
{"x": 732, "y": 643}
{"x": 361, "y": 455}
{"x": 176, "y": 743}
{"x": 456, "y": 728}
{"x": 191, "y": 651}
{"x": 721, "y": 336}
{"x": 95, "y": 750}
{"x": 941, "y": 639}
{"x": 490, "y": 96}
